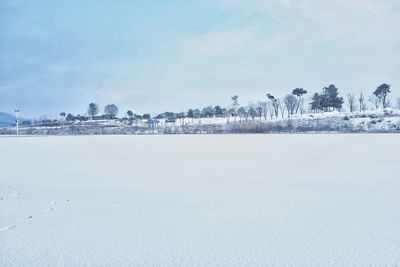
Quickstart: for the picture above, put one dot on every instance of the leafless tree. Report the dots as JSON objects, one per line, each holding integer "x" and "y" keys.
{"x": 351, "y": 99}
{"x": 282, "y": 106}
{"x": 264, "y": 107}
{"x": 361, "y": 102}
{"x": 271, "y": 110}
{"x": 259, "y": 109}
{"x": 388, "y": 103}
{"x": 376, "y": 101}
{"x": 398, "y": 102}
{"x": 301, "y": 106}
{"x": 242, "y": 112}
{"x": 252, "y": 111}
{"x": 291, "y": 104}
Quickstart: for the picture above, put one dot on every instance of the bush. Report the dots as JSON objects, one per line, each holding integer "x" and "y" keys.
{"x": 388, "y": 111}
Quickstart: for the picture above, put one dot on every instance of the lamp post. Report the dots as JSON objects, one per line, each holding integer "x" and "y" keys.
{"x": 17, "y": 120}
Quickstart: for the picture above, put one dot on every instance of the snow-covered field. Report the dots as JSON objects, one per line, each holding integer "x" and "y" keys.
{"x": 200, "y": 200}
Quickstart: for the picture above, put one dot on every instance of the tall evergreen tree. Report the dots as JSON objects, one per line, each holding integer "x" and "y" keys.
{"x": 331, "y": 98}
{"x": 316, "y": 103}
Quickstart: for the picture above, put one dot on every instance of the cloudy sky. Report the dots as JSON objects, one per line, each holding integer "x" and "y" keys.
{"x": 158, "y": 55}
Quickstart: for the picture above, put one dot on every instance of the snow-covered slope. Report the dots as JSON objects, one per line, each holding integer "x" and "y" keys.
{"x": 377, "y": 121}
{"x": 210, "y": 200}
{"x": 6, "y": 119}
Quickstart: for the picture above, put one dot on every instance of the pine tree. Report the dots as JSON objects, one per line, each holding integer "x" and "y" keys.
{"x": 299, "y": 92}
{"x": 316, "y": 104}
{"x": 331, "y": 98}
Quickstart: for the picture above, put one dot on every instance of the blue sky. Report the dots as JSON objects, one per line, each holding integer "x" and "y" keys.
{"x": 153, "y": 56}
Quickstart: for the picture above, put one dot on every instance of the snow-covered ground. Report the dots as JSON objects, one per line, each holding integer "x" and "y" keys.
{"x": 369, "y": 121}
{"x": 200, "y": 200}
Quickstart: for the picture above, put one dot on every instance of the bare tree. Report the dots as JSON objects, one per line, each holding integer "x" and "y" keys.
{"x": 264, "y": 107}
{"x": 242, "y": 112}
{"x": 252, "y": 111}
{"x": 291, "y": 103}
{"x": 398, "y": 102}
{"x": 351, "y": 102}
{"x": 271, "y": 110}
{"x": 361, "y": 102}
{"x": 388, "y": 103}
{"x": 259, "y": 110}
{"x": 376, "y": 101}
{"x": 282, "y": 106}
{"x": 302, "y": 108}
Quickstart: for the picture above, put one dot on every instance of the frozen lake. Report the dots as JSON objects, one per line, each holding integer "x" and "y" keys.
{"x": 211, "y": 200}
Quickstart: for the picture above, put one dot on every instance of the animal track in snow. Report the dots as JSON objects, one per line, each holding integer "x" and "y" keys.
{"x": 53, "y": 204}
{"x": 25, "y": 218}
{"x": 7, "y": 228}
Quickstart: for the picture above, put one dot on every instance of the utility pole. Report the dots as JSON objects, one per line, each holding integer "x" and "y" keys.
{"x": 17, "y": 120}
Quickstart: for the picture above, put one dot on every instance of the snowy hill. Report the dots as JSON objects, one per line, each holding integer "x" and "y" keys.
{"x": 6, "y": 119}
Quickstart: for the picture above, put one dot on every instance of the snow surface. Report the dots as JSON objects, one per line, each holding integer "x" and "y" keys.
{"x": 370, "y": 121}
{"x": 200, "y": 200}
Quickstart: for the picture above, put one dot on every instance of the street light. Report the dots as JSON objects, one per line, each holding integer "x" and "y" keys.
{"x": 16, "y": 119}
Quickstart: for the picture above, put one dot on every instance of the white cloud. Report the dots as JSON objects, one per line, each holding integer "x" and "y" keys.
{"x": 221, "y": 42}
{"x": 278, "y": 24}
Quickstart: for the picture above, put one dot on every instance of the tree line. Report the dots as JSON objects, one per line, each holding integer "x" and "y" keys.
{"x": 271, "y": 107}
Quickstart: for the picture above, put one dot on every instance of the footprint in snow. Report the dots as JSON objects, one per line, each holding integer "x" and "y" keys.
{"x": 7, "y": 228}
{"x": 25, "y": 218}
{"x": 48, "y": 210}
{"x": 54, "y": 202}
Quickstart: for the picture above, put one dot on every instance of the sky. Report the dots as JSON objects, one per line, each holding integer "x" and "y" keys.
{"x": 159, "y": 55}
